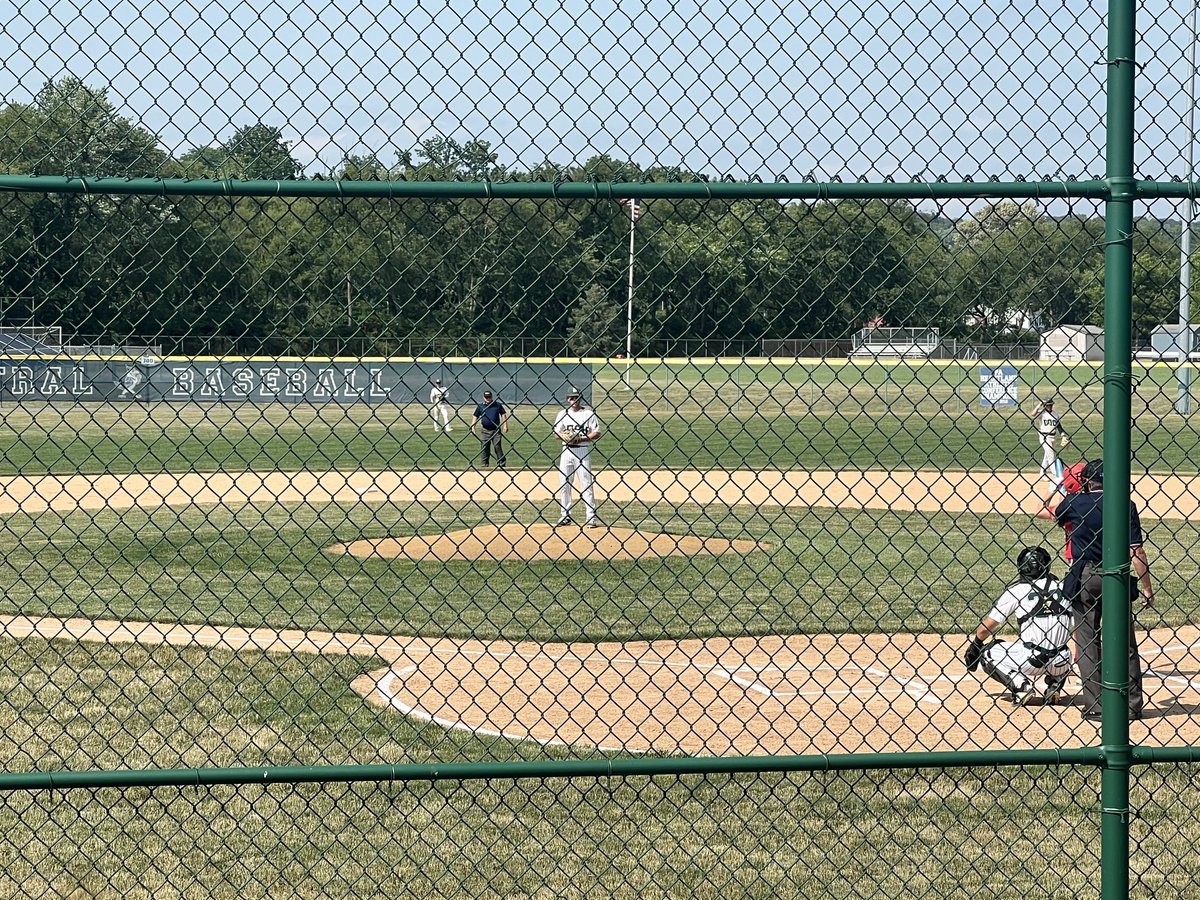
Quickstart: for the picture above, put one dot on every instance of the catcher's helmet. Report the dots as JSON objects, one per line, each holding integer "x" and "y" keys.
{"x": 1073, "y": 478}
{"x": 1033, "y": 563}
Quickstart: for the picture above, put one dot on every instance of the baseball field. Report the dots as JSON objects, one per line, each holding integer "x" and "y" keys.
{"x": 789, "y": 559}
{"x": 823, "y": 415}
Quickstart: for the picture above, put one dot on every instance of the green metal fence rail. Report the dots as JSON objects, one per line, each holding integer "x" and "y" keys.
{"x": 285, "y": 623}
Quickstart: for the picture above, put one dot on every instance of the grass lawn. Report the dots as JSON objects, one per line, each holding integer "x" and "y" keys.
{"x": 952, "y": 834}
{"x": 828, "y": 570}
{"x": 811, "y": 416}
{"x": 1004, "y": 833}
{"x": 279, "y": 438}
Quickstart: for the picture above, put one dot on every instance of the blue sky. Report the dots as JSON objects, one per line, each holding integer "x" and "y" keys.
{"x": 952, "y": 88}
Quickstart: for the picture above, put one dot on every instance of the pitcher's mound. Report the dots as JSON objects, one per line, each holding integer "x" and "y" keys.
{"x": 531, "y": 542}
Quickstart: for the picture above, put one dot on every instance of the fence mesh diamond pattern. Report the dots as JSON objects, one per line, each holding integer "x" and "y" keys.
{"x": 585, "y": 451}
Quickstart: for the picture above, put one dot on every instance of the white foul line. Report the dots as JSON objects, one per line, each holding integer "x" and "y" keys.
{"x": 385, "y": 688}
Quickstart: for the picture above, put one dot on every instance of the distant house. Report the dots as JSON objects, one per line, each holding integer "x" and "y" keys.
{"x": 1166, "y": 342}
{"x": 1008, "y": 320}
{"x": 1072, "y": 343}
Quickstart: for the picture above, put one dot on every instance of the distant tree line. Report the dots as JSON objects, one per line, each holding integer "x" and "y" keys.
{"x": 279, "y": 273}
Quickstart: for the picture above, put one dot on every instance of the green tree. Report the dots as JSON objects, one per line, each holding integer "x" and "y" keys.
{"x": 95, "y": 264}
{"x": 1020, "y": 267}
{"x": 596, "y": 320}
{"x": 260, "y": 152}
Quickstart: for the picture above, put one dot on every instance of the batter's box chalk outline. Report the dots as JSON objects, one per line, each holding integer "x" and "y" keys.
{"x": 386, "y": 689}
{"x": 914, "y": 687}
{"x": 1193, "y": 683}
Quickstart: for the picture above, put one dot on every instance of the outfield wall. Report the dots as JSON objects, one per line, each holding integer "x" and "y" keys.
{"x": 150, "y": 379}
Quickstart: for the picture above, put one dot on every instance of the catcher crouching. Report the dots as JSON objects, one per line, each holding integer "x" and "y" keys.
{"x": 1044, "y": 632}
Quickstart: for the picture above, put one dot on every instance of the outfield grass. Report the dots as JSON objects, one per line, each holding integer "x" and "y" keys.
{"x": 828, "y": 570}
{"x": 809, "y": 416}
{"x": 364, "y": 438}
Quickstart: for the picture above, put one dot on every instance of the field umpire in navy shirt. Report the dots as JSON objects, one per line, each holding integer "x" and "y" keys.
{"x": 493, "y": 422}
{"x": 1083, "y": 585}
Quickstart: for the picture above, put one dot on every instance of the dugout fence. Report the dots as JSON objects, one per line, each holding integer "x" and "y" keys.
{"x": 703, "y": 632}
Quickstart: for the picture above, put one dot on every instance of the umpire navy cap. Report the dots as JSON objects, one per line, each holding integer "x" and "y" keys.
{"x": 1094, "y": 471}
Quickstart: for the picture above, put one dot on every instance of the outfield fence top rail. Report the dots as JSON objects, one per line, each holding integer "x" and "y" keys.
{"x": 584, "y": 190}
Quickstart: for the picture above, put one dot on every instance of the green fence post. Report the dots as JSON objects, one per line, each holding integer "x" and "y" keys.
{"x": 1118, "y": 371}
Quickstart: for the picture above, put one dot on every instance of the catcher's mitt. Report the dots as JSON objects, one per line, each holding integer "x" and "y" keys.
{"x": 973, "y": 654}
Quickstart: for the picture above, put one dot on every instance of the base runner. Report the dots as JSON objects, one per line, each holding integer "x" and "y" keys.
{"x": 439, "y": 407}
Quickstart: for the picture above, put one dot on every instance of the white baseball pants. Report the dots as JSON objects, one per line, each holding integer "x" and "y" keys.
{"x": 569, "y": 465}
{"x": 1011, "y": 663}
{"x": 441, "y": 417}
{"x": 1049, "y": 456}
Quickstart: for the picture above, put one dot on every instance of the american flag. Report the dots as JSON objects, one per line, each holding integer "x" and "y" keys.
{"x": 634, "y": 207}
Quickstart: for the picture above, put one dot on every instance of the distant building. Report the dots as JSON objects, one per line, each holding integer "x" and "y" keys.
{"x": 1008, "y": 320}
{"x": 1166, "y": 343}
{"x": 1072, "y": 343}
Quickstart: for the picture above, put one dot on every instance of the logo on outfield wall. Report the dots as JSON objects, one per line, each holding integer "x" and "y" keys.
{"x": 998, "y": 386}
{"x": 130, "y": 383}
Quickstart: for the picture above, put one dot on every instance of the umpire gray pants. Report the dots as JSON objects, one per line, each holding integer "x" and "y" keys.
{"x": 1086, "y": 613}
{"x": 489, "y": 442}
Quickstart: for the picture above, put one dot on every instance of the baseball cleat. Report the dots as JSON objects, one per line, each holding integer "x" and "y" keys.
{"x": 593, "y": 523}
{"x": 1024, "y": 695}
{"x": 565, "y": 520}
{"x": 1054, "y": 689}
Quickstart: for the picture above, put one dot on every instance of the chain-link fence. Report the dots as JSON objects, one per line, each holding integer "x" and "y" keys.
{"x": 598, "y": 452}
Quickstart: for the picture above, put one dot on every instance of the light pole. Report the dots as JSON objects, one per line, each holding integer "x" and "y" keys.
{"x": 633, "y": 217}
{"x": 1183, "y": 400}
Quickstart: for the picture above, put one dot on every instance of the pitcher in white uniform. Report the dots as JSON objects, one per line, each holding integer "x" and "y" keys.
{"x": 1044, "y": 622}
{"x": 1049, "y": 427}
{"x": 576, "y": 427}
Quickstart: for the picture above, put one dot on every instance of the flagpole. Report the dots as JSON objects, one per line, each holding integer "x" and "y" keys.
{"x": 629, "y": 310}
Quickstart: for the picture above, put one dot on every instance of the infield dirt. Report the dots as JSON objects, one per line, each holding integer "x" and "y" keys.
{"x": 1160, "y": 496}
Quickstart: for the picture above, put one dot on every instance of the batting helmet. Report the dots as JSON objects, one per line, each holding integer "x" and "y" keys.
{"x": 1033, "y": 563}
